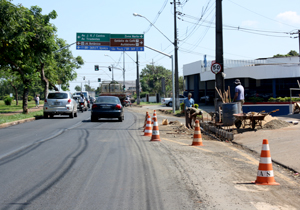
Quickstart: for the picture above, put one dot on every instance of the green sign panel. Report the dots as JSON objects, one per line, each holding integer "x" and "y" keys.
{"x": 127, "y": 36}
{"x": 92, "y": 37}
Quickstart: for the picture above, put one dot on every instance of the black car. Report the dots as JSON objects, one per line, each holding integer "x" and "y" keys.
{"x": 107, "y": 107}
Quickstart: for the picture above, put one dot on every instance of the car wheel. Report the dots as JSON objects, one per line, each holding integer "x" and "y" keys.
{"x": 75, "y": 114}
{"x": 45, "y": 115}
{"x": 170, "y": 104}
{"x": 72, "y": 115}
{"x": 120, "y": 119}
{"x": 94, "y": 119}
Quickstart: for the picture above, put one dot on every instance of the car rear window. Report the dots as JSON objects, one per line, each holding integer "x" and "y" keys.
{"x": 110, "y": 100}
{"x": 57, "y": 96}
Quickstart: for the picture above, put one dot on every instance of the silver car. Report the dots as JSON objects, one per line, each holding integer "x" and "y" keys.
{"x": 60, "y": 103}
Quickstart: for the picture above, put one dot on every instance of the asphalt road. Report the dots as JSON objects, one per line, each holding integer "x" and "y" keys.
{"x": 65, "y": 163}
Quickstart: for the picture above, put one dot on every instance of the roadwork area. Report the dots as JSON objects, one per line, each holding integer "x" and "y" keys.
{"x": 220, "y": 175}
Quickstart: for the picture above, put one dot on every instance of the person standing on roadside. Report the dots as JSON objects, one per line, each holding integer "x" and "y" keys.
{"x": 37, "y": 101}
{"x": 188, "y": 102}
{"x": 239, "y": 93}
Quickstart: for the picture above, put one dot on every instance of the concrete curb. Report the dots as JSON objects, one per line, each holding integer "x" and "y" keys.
{"x": 5, "y": 125}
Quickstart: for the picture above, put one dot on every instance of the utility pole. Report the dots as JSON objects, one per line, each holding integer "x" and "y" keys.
{"x": 123, "y": 71}
{"x": 220, "y": 83}
{"x": 176, "y": 58}
{"x": 137, "y": 79}
{"x": 299, "y": 43}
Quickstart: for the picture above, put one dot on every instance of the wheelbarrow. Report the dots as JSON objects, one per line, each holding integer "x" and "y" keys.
{"x": 255, "y": 119}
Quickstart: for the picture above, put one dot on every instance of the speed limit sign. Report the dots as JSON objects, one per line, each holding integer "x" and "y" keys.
{"x": 216, "y": 68}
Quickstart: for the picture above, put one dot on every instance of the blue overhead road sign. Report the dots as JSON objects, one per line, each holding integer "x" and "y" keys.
{"x": 85, "y": 47}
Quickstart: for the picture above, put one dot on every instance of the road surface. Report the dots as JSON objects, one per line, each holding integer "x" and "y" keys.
{"x": 65, "y": 163}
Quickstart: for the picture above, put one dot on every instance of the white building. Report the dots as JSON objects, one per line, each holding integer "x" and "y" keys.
{"x": 265, "y": 77}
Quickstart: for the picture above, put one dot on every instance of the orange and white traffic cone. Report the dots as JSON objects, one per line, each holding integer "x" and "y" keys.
{"x": 154, "y": 116}
{"x": 145, "y": 121}
{"x": 148, "y": 128}
{"x": 265, "y": 174}
{"x": 197, "y": 141}
{"x": 155, "y": 131}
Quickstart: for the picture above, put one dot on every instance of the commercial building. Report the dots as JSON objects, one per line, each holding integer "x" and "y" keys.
{"x": 263, "y": 77}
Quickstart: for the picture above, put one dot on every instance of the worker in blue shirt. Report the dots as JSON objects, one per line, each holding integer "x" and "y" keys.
{"x": 188, "y": 102}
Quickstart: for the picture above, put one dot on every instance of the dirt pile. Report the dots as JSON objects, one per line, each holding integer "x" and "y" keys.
{"x": 276, "y": 124}
{"x": 174, "y": 122}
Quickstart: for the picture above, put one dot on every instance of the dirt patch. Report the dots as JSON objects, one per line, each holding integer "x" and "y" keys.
{"x": 276, "y": 124}
{"x": 174, "y": 122}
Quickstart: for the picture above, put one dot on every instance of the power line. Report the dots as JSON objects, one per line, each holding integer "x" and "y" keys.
{"x": 261, "y": 15}
{"x": 157, "y": 16}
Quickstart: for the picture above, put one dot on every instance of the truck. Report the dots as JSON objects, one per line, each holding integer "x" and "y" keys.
{"x": 113, "y": 89}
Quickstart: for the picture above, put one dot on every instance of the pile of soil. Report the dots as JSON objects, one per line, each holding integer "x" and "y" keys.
{"x": 174, "y": 122}
{"x": 182, "y": 129}
{"x": 165, "y": 111}
{"x": 276, "y": 124}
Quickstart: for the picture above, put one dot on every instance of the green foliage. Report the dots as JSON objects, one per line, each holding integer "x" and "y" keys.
{"x": 30, "y": 98}
{"x": 15, "y": 117}
{"x": 291, "y": 53}
{"x": 196, "y": 106}
{"x": 182, "y": 106}
{"x": 78, "y": 88}
{"x": 8, "y": 100}
{"x": 255, "y": 99}
{"x": 283, "y": 99}
{"x": 272, "y": 99}
{"x": 143, "y": 94}
{"x": 151, "y": 77}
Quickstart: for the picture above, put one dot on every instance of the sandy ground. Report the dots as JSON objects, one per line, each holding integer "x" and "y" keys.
{"x": 219, "y": 175}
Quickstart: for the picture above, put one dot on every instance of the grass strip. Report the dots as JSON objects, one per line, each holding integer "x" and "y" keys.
{"x": 13, "y": 108}
{"x": 15, "y": 117}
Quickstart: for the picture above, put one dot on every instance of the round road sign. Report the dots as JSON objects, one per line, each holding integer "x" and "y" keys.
{"x": 216, "y": 68}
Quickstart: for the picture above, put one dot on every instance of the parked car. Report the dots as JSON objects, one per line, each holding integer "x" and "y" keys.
{"x": 168, "y": 101}
{"x": 60, "y": 103}
{"x": 86, "y": 95}
{"x": 107, "y": 107}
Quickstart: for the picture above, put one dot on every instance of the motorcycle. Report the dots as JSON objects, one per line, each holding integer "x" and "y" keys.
{"x": 127, "y": 103}
{"x": 81, "y": 106}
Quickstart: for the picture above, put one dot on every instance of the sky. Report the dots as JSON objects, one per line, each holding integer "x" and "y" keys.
{"x": 252, "y": 29}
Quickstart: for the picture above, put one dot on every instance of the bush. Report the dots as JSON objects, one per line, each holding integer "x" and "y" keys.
{"x": 143, "y": 94}
{"x": 8, "y": 100}
{"x": 196, "y": 106}
{"x": 30, "y": 98}
{"x": 272, "y": 99}
{"x": 256, "y": 99}
{"x": 181, "y": 106}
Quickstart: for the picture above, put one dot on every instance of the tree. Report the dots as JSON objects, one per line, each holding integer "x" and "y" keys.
{"x": 26, "y": 39}
{"x": 78, "y": 88}
{"x": 151, "y": 77}
{"x": 291, "y": 53}
{"x": 88, "y": 88}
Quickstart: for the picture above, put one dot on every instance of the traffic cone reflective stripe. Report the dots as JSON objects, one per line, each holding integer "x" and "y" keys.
{"x": 148, "y": 128}
{"x": 197, "y": 140}
{"x": 265, "y": 174}
{"x": 155, "y": 131}
{"x": 146, "y": 118}
{"x": 154, "y": 116}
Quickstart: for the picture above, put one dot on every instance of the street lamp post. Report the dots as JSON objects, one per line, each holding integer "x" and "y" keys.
{"x": 112, "y": 67}
{"x": 176, "y": 60}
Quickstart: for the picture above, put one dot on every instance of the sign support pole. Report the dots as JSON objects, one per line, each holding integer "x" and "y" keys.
{"x": 137, "y": 79}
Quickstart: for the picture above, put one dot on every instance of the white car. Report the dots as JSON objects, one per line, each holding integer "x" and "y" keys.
{"x": 60, "y": 103}
{"x": 168, "y": 101}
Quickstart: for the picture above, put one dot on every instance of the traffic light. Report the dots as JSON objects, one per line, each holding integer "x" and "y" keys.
{"x": 96, "y": 67}
{"x": 109, "y": 68}
{"x": 99, "y": 79}
{"x": 123, "y": 87}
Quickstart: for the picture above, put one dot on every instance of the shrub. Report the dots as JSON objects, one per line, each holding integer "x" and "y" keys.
{"x": 272, "y": 99}
{"x": 30, "y": 98}
{"x": 8, "y": 100}
{"x": 181, "y": 106}
{"x": 256, "y": 99}
{"x": 196, "y": 106}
